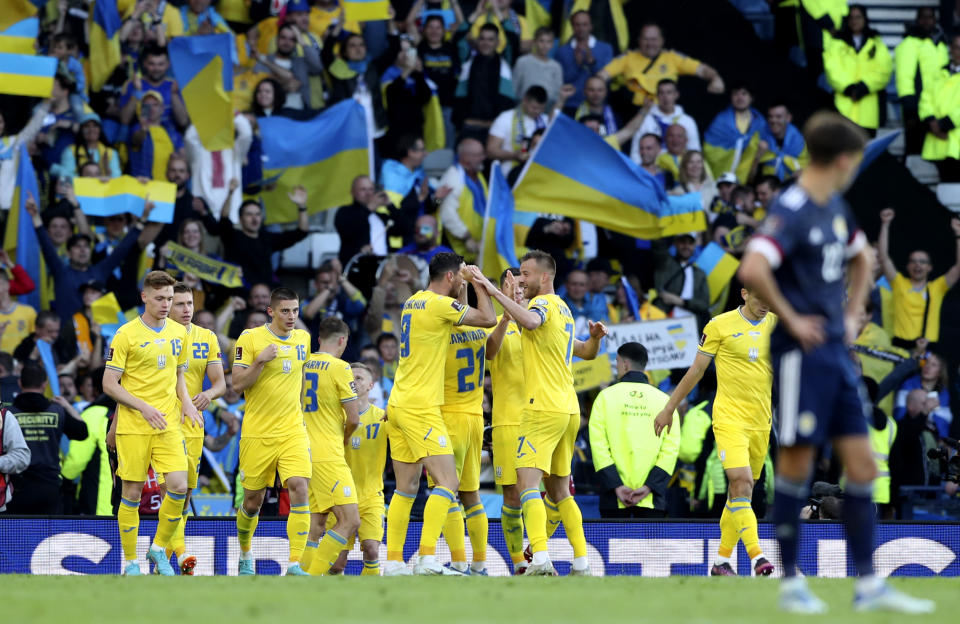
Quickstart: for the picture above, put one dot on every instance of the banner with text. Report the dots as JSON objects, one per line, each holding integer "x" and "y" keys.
{"x": 670, "y": 343}
{"x": 206, "y": 268}
{"x": 589, "y": 374}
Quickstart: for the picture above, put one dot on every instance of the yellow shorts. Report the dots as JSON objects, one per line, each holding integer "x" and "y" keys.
{"x": 194, "y": 451}
{"x": 415, "y": 434}
{"x": 331, "y": 484}
{"x": 546, "y": 441}
{"x": 466, "y": 437}
{"x": 166, "y": 451}
{"x": 738, "y": 448}
{"x": 371, "y": 519}
{"x": 262, "y": 458}
{"x": 505, "y": 440}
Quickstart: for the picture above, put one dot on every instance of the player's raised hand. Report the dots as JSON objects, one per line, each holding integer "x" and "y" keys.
{"x": 267, "y": 354}
{"x": 154, "y": 417}
{"x": 886, "y": 216}
{"x": 664, "y": 420}
{"x": 808, "y": 330}
{"x": 201, "y": 401}
{"x": 597, "y": 330}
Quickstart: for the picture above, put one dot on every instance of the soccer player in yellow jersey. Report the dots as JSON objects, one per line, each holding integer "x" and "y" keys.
{"x": 204, "y": 358}
{"x": 268, "y": 369}
{"x": 331, "y": 414}
{"x": 367, "y": 457}
{"x": 145, "y": 368}
{"x": 551, "y": 412}
{"x": 506, "y": 374}
{"x": 738, "y": 343}
{"x": 418, "y": 436}
{"x": 462, "y": 412}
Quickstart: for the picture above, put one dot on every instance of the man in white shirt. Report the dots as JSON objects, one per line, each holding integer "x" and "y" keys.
{"x": 666, "y": 113}
{"x": 509, "y": 138}
{"x": 211, "y": 172}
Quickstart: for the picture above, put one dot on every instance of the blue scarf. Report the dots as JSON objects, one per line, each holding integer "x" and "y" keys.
{"x": 793, "y": 145}
{"x": 476, "y": 189}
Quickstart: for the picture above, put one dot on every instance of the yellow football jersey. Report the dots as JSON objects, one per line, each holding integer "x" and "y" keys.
{"x": 425, "y": 325}
{"x": 367, "y": 455}
{"x": 148, "y": 359}
{"x": 203, "y": 350}
{"x": 463, "y": 372}
{"x": 273, "y": 401}
{"x": 741, "y": 352}
{"x": 20, "y": 320}
{"x": 327, "y": 385}
{"x": 506, "y": 373}
{"x": 547, "y": 357}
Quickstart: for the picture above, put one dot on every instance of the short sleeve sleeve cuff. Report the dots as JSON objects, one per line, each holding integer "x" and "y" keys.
{"x": 858, "y": 240}
{"x": 768, "y": 248}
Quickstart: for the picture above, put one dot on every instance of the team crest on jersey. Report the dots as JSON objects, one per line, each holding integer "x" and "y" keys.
{"x": 499, "y": 471}
{"x": 816, "y": 236}
{"x": 161, "y": 362}
{"x": 442, "y": 441}
{"x": 722, "y": 455}
{"x": 754, "y": 354}
{"x": 840, "y": 228}
{"x": 355, "y": 442}
{"x": 287, "y": 366}
{"x": 807, "y": 423}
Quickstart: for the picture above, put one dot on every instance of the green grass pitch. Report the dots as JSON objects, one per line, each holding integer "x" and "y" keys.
{"x": 99, "y": 599}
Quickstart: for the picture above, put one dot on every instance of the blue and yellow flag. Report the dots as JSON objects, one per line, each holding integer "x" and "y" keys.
{"x": 15, "y": 11}
{"x": 633, "y": 301}
{"x": 125, "y": 194}
{"x": 22, "y": 74}
{"x": 20, "y": 239}
{"x": 202, "y": 66}
{"x": 719, "y": 267}
{"x": 499, "y": 238}
{"x": 20, "y": 38}
{"x": 366, "y": 10}
{"x": 601, "y": 185}
{"x": 726, "y": 149}
{"x": 104, "y": 42}
{"x": 538, "y": 13}
{"x": 323, "y": 154}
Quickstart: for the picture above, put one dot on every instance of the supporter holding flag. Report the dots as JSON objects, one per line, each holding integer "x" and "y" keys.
{"x": 781, "y": 152}
{"x": 731, "y": 142}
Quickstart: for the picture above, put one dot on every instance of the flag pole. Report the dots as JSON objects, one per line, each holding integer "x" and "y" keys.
{"x": 486, "y": 215}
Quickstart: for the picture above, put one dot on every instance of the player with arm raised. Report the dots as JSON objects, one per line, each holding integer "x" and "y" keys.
{"x": 144, "y": 374}
{"x": 551, "y": 412}
{"x": 738, "y": 343}
{"x": 268, "y": 369}
{"x": 418, "y": 436}
{"x": 331, "y": 414}
{"x": 808, "y": 258}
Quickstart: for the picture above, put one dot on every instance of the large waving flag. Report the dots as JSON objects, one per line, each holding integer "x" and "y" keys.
{"x": 366, "y": 10}
{"x": 719, "y": 267}
{"x": 104, "y": 42}
{"x": 202, "y": 66}
{"x": 20, "y": 239}
{"x": 22, "y": 74}
{"x": 499, "y": 240}
{"x": 20, "y": 38}
{"x": 323, "y": 154}
{"x": 15, "y": 11}
{"x": 125, "y": 194}
{"x": 574, "y": 172}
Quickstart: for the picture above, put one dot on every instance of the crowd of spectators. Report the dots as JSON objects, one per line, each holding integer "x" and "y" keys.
{"x": 499, "y": 76}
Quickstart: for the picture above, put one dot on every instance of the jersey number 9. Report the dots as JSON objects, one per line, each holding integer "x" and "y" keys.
{"x": 405, "y": 335}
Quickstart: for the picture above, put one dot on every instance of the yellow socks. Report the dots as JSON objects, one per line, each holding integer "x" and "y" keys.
{"x": 573, "y": 525}
{"x": 553, "y": 516}
{"x": 745, "y": 524}
{"x": 371, "y": 568}
{"x": 434, "y": 516}
{"x": 535, "y": 519}
{"x": 298, "y": 526}
{"x": 177, "y": 540}
{"x": 128, "y": 519}
{"x": 453, "y": 532}
{"x": 309, "y": 555}
{"x": 327, "y": 552}
{"x": 511, "y": 521}
{"x": 169, "y": 516}
{"x": 246, "y": 526}
{"x": 477, "y": 529}
{"x": 398, "y": 517}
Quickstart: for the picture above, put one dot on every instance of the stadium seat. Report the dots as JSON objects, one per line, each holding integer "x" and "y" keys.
{"x": 437, "y": 162}
{"x": 311, "y": 252}
{"x": 948, "y": 194}
{"x": 923, "y": 170}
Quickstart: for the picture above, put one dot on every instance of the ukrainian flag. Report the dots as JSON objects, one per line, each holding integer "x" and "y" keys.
{"x": 20, "y": 239}
{"x": 600, "y": 185}
{"x": 499, "y": 239}
{"x": 125, "y": 194}
{"x": 21, "y": 74}
{"x": 202, "y": 66}
{"x": 726, "y": 149}
{"x": 538, "y": 13}
{"x": 365, "y": 10}
{"x": 719, "y": 266}
{"x": 15, "y": 11}
{"x": 20, "y": 38}
{"x": 323, "y": 154}
{"x": 104, "y": 42}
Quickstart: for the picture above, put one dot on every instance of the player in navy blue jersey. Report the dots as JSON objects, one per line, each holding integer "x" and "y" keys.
{"x": 812, "y": 264}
